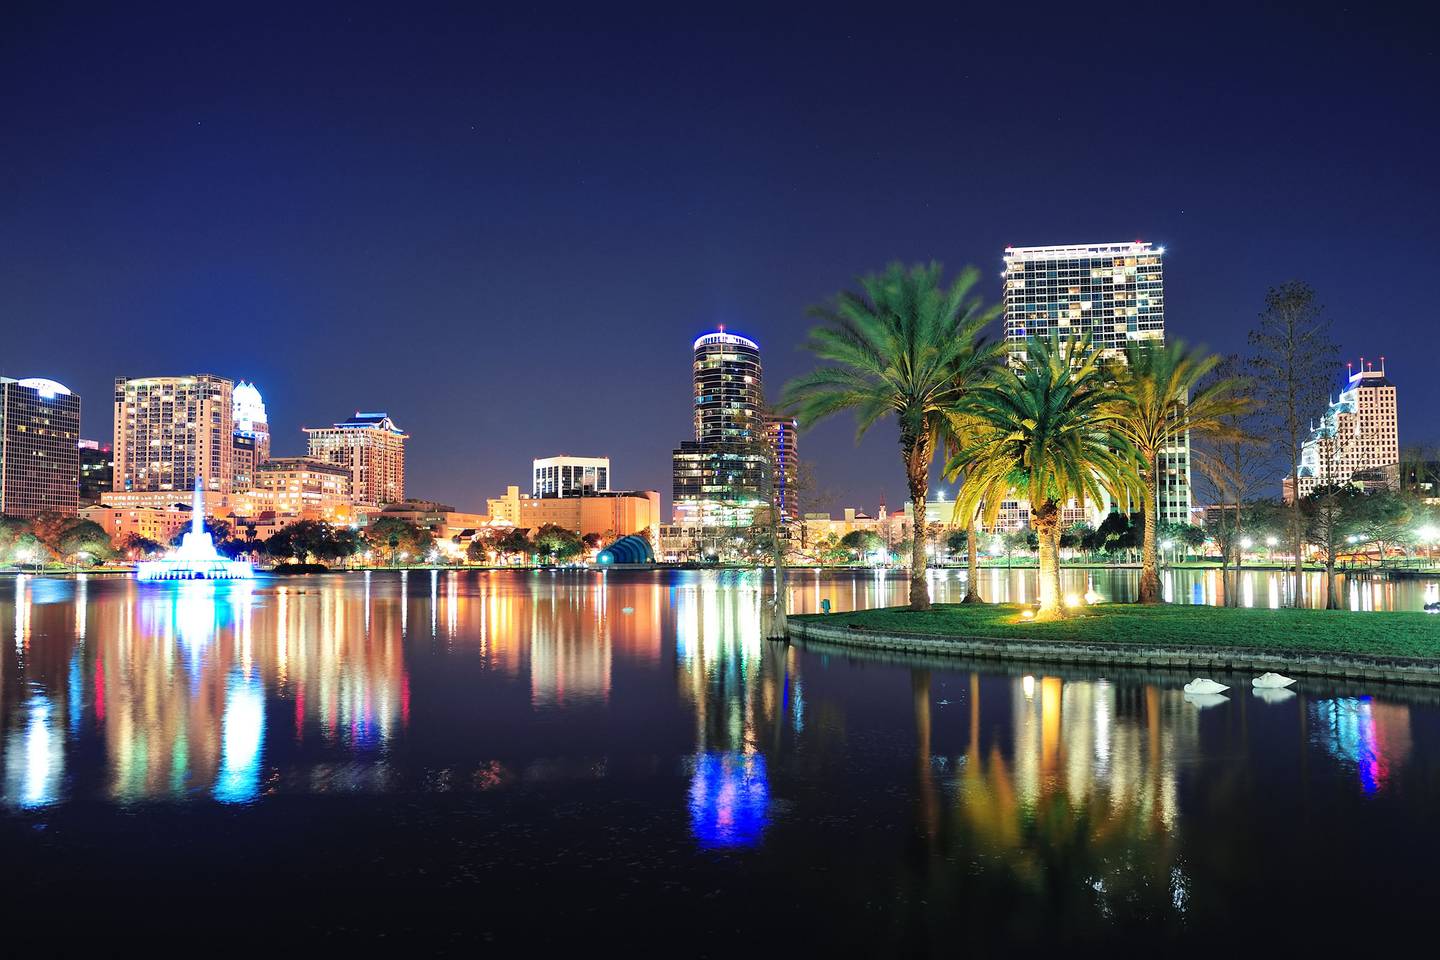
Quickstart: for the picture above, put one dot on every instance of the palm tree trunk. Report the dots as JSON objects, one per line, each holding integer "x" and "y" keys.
{"x": 972, "y": 564}
{"x": 1046, "y": 521}
{"x": 1149, "y": 567}
{"x": 917, "y": 470}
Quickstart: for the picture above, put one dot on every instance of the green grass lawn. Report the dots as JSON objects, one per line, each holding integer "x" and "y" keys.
{"x": 1311, "y": 631}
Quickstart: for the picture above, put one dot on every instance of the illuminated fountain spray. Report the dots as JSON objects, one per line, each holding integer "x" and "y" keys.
{"x": 196, "y": 558}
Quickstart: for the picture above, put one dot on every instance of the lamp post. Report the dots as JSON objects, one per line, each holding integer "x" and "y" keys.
{"x": 1270, "y": 543}
{"x": 1352, "y": 540}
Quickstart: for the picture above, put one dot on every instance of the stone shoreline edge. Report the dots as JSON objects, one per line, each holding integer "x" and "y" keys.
{"x": 1347, "y": 667}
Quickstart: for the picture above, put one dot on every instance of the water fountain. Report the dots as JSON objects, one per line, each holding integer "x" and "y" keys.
{"x": 196, "y": 558}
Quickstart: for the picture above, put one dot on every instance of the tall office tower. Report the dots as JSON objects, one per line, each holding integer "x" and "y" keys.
{"x": 781, "y": 433}
{"x": 1356, "y": 439}
{"x": 251, "y": 437}
{"x": 372, "y": 447}
{"x": 729, "y": 388}
{"x": 97, "y": 471}
{"x": 565, "y": 476}
{"x": 169, "y": 430}
{"x": 39, "y": 448}
{"x": 721, "y": 477}
{"x": 1115, "y": 294}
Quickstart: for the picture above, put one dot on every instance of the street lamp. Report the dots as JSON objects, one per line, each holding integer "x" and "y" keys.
{"x": 1166, "y": 546}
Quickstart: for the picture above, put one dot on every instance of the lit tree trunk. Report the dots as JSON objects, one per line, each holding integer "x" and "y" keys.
{"x": 1332, "y": 600}
{"x": 916, "y": 449}
{"x": 1297, "y": 526}
{"x": 1046, "y": 521}
{"x": 972, "y": 564}
{"x": 1149, "y": 566}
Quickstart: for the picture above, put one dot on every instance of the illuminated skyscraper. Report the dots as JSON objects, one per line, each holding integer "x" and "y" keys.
{"x": 1356, "y": 440}
{"x": 372, "y": 447}
{"x": 722, "y": 477}
{"x": 251, "y": 437}
{"x": 39, "y": 448}
{"x": 1115, "y": 294}
{"x": 169, "y": 430}
{"x": 781, "y": 433}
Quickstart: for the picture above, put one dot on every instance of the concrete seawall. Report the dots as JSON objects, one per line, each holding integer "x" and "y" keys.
{"x": 1291, "y": 663}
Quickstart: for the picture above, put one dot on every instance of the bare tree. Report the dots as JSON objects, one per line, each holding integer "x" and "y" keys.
{"x": 1234, "y": 466}
{"x": 1294, "y": 362}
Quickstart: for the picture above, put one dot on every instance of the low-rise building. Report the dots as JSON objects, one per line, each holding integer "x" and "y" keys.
{"x": 153, "y": 523}
{"x": 613, "y": 512}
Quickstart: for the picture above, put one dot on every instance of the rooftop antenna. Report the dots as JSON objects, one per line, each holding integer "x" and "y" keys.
{"x": 1382, "y": 365}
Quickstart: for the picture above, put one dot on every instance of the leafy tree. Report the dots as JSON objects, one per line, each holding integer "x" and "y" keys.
{"x": 1164, "y": 394}
{"x": 86, "y": 537}
{"x": 593, "y": 541}
{"x": 958, "y": 541}
{"x": 1048, "y": 430}
{"x": 137, "y": 547}
{"x": 903, "y": 345}
{"x": 1388, "y": 520}
{"x": 19, "y": 544}
{"x": 861, "y": 543}
{"x": 1233, "y": 465}
{"x": 306, "y": 540}
{"x": 399, "y": 536}
{"x": 1332, "y": 515}
{"x": 1294, "y": 361}
{"x": 479, "y": 550}
{"x": 558, "y": 543}
{"x": 514, "y": 541}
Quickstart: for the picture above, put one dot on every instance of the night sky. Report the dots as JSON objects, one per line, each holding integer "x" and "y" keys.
{"x": 506, "y": 229}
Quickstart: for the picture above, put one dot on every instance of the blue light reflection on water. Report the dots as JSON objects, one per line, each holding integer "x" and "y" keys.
{"x": 729, "y": 799}
{"x": 242, "y": 731}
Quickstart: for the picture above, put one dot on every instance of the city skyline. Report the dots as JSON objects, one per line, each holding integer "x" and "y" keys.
{"x": 361, "y": 232}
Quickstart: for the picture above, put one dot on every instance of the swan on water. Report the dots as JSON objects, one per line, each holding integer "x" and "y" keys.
{"x": 1271, "y": 681}
{"x": 1204, "y": 685}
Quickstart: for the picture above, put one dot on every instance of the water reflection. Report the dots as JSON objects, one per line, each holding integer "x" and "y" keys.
{"x": 1065, "y": 788}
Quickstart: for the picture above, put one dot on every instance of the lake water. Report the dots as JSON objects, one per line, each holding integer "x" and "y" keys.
{"x": 444, "y": 760}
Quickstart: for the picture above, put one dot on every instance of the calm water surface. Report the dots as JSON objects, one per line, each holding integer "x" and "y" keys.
{"x": 454, "y": 758}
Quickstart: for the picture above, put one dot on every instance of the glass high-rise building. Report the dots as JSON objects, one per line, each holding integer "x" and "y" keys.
{"x": 729, "y": 389}
{"x": 39, "y": 448}
{"x": 723, "y": 475}
{"x": 170, "y": 430}
{"x": 1115, "y": 294}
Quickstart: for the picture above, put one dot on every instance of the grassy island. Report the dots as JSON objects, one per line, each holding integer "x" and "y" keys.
{"x": 1167, "y": 625}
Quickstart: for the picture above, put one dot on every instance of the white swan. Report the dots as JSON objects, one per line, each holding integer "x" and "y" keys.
{"x": 1271, "y": 681}
{"x": 1204, "y": 685}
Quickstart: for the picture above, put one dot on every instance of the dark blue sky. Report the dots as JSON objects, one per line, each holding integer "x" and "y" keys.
{"x": 507, "y": 228}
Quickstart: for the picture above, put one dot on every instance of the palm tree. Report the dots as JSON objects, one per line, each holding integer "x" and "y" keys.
{"x": 907, "y": 345}
{"x": 1046, "y": 430}
{"x": 1162, "y": 397}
